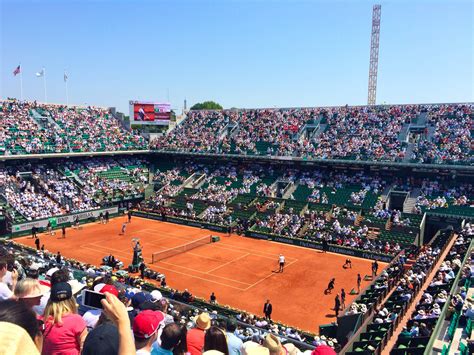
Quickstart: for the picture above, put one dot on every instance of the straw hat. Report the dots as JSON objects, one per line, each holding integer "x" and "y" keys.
{"x": 272, "y": 343}
{"x": 253, "y": 348}
{"x": 15, "y": 340}
{"x": 203, "y": 321}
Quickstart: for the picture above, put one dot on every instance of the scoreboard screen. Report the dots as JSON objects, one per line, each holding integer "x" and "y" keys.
{"x": 150, "y": 113}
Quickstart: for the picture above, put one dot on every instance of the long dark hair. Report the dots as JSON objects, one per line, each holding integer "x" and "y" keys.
{"x": 215, "y": 339}
{"x": 173, "y": 337}
{"x": 19, "y": 314}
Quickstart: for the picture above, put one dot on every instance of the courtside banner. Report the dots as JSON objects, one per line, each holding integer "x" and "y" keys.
{"x": 70, "y": 218}
{"x": 314, "y": 245}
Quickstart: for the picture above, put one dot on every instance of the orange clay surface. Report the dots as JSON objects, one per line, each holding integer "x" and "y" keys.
{"x": 241, "y": 271}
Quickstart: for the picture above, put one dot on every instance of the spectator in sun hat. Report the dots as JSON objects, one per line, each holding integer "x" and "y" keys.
{"x": 195, "y": 336}
{"x": 273, "y": 344}
{"x": 29, "y": 292}
{"x": 145, "y": 330}
{"x": 65, "y": 330}
{"x": 253, "y": 348}
{"x": 291, "y": 349}
{"x": 15, "y": 340}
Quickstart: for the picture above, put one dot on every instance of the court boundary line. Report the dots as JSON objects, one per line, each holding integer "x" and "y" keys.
{"x": 268, "y": 276}
{"x": 272, "y": 256}
{"x": 189, "y": 275}
{"x": 120, "y": 252}
{"x": 227, "y": 263}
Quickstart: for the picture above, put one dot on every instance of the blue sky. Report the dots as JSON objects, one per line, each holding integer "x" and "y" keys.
{"x": 238, "y": 53}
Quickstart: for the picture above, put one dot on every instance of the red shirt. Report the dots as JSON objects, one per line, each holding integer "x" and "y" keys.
{"x": 64, "y": 339}
{"x": 195, "y": 340}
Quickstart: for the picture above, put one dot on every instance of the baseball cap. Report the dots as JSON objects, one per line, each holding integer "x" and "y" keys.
{"x": 156, "y": 295}
{"x": 60, "y": 292}
{"x": 139, "y": 298}
{"x": 146, "y": 323}
{"x": 103, "y": 340}
{"x": 110, "y": 289}
{"x": 51, "y": 271}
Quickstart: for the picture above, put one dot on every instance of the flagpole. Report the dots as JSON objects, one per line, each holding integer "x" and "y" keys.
{"x": 67, "y": 93}
{"x": 21, "y": 82}
{"x": 44, "y": 82}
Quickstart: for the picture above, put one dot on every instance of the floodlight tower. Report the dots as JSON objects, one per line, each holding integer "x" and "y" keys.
{"x": 374, "y": 54}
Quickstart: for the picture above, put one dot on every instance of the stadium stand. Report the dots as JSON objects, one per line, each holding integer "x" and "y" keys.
{"x": 254, "y": 188}
{"x": 385, "y": 133}
{"x": 31, "y": 128}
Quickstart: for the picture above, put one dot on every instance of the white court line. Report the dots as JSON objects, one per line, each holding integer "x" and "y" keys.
{"x": 179, "y": 236}
{"x": 202, "y": 278}
{"x": 254, "y": 253}
{"x": 227, "y": 263}
{"x": 187, "y": 274}
{"x": 202, "y": 272}
{"x": 168, "y": 234}
{"x": 266, "y": 277}
{"x": 116, "y": 252}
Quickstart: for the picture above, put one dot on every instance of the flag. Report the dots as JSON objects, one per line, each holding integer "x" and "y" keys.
{"x": 17, "y": 70}
{"x": 40, "y": 74}
{"x": 65, "y": 77}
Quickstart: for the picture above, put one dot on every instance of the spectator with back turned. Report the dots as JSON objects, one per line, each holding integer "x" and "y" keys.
{"x": 195, "y": 336}
{"x": 142, "y": 268}
{"x": 233, "y": 342}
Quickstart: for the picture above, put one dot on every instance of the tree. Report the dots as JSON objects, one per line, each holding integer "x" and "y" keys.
{"x": 207, "y": 105}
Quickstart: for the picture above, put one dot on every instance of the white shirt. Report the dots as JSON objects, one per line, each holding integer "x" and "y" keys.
{"x": 5, "y": 292}
{"x": 7, "y": 279}
{"x": 282, "y": 259}
{"x": 91, "y": 317}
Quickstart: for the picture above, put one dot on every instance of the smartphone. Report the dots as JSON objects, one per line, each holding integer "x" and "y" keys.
{"x": 92, "y": 299}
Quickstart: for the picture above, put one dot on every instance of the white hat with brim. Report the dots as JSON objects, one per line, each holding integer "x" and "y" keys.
{"x": 37, "y": 292}
{"x": 51, "y": 271}
{"x": 253, "y": 348}
{"x": 76, "y": 286}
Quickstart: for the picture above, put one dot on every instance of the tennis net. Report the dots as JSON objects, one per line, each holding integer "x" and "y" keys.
{"x": 168, "y": 253}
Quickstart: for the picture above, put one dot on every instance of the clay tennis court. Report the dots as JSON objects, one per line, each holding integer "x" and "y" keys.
{"x": 241, "y": 271}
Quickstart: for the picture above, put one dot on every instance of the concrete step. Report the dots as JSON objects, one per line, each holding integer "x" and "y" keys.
{"x": 409, "y": 152}
{"x": 290, "y": 191}
{"x": 403, "y": 135}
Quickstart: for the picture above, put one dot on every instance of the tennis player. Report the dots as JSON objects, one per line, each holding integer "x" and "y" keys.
{"x": 124, "y": 226}
{"x": 281, "y": 262}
